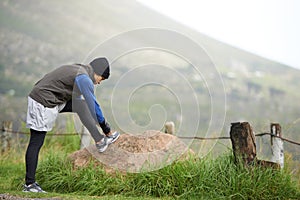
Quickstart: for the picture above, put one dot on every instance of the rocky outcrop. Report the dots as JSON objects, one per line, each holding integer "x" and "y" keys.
{"x": 149, "y": 151}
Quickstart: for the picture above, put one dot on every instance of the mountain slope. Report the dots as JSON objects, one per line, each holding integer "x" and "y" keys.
{"x": 37, "y": 36}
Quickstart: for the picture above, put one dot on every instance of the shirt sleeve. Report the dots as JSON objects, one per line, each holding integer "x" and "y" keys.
{"x": 86, "y": 87}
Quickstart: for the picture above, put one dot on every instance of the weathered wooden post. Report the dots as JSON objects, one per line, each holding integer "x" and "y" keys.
{"x": 6, "y": 135}
{"x": 85, "y": 138}
{"x": 243, "y": 142}
{"x": 277, "y": 145}
{"x": 170, "y": 127}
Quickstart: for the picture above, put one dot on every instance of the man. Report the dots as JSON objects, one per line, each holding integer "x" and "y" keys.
{"x": 69, "y": 88}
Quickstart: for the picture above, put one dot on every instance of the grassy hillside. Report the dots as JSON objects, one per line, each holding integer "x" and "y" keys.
{"x": 227, "y": 85}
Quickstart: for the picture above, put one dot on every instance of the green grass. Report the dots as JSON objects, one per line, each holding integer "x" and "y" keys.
{"x": 192, "y": 179}
{"x": 195, "y": 178}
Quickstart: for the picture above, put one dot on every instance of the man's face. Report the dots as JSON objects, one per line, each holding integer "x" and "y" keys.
{"x": 98, "y": 79}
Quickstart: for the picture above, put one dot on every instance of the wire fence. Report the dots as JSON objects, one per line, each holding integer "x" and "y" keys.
{"x": 182, "y": 137}
{"x": 226, "y": 138}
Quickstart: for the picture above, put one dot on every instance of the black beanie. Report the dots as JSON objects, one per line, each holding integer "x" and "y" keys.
{"x": 101, "y": 67}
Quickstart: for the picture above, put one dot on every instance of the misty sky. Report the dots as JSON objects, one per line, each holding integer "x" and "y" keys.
{"x": 269, "y": 28}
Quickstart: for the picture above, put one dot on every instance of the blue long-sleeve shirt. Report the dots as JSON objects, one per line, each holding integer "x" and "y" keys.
{"x": 86, "y": 87}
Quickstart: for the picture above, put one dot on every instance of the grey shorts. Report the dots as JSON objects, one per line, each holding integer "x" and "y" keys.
{"x": 41, "y": 118}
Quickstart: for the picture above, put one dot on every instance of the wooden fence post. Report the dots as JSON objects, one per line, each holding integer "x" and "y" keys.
{"x": 243, "y": 142}
{"x": 277, "y": 145}
{"x": 170, "y": 128}
{"x": 85, "y": 139}
{"x": 6, "y": 135}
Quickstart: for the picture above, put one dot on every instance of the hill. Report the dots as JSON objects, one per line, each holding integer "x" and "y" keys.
{"x": 161, "y": 70}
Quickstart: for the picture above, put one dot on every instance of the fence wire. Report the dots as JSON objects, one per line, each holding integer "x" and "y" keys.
{"x": 224, "y": 138}
{"x": 182, "y": 137}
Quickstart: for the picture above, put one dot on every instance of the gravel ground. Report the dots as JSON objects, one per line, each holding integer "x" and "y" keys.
{"x": 10, "y": 197}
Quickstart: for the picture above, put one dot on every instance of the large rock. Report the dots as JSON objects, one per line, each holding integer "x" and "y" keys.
{"x": 135, "y": 153}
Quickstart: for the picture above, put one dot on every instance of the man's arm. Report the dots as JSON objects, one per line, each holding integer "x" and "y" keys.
{"x": 86, "y": 87}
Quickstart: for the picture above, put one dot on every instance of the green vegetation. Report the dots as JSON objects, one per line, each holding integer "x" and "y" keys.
{"x": 48, "y": 34}
{"x": 196, "y": 178}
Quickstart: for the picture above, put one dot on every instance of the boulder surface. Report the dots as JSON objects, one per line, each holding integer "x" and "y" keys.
{"x": 132, "y": 153}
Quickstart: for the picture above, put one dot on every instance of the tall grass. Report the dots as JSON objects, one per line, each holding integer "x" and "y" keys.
{"x": 193, "y": 179}
{"x": 12, "y": 161}
{"x": 206, "y": 178}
